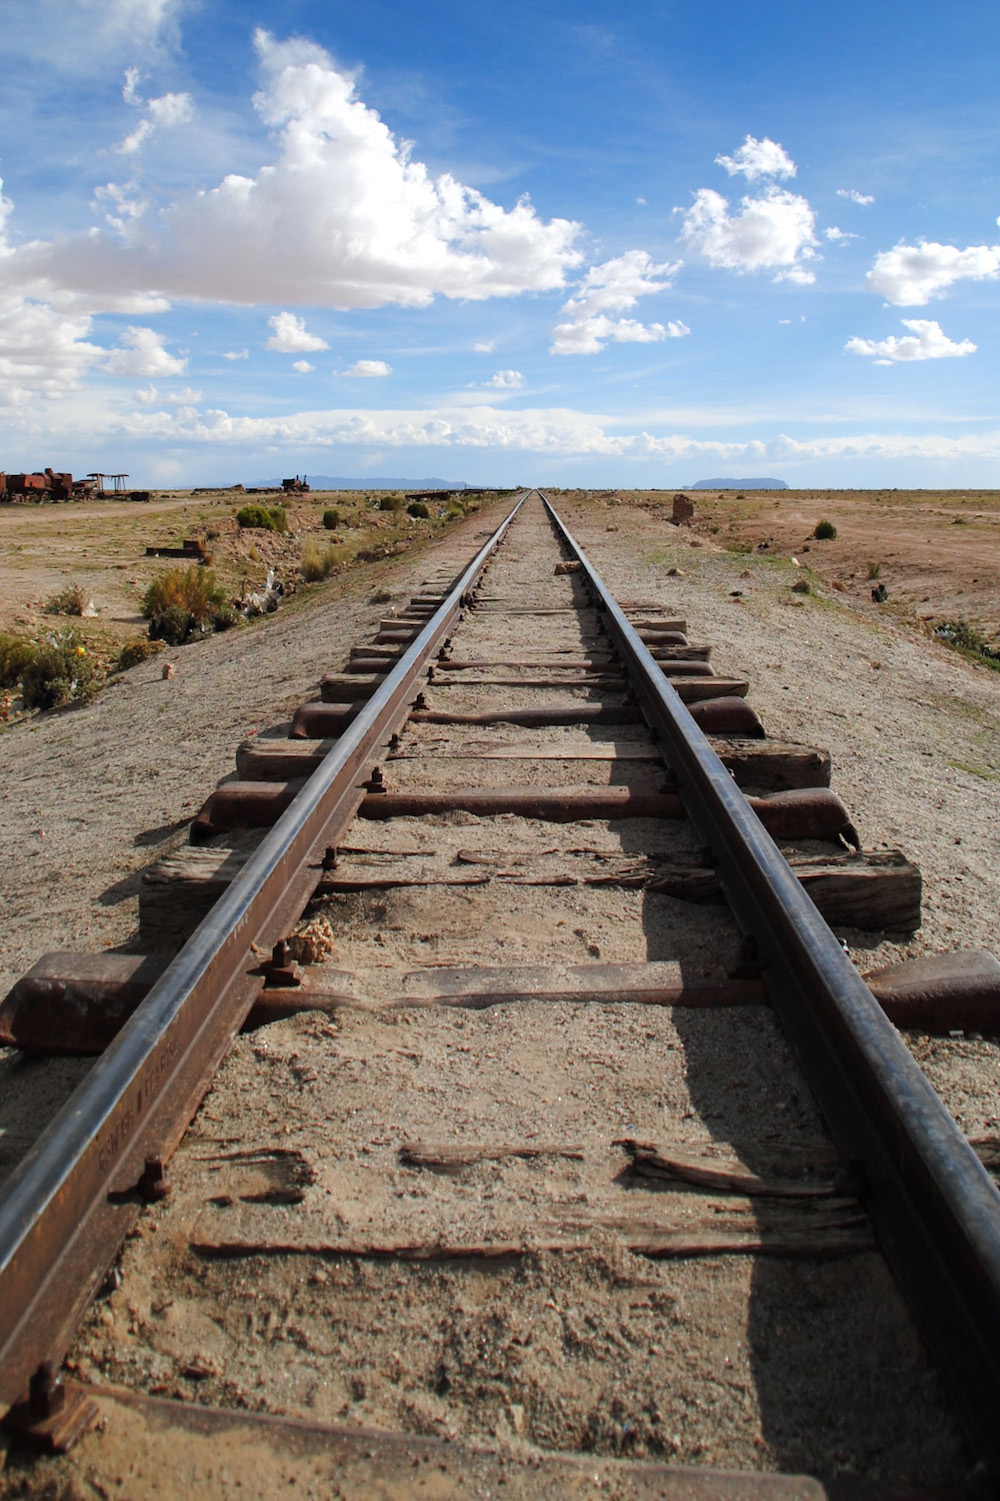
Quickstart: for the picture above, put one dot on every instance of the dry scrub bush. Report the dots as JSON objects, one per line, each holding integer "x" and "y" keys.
{"x": 418, "y": 510}
{"x": 392, "y": 503}
{"x": 69, "y": 601}
{"x": 319, "y": 562}
{"x": 331, "y": 519}
{"x": 184, "y": 601}
{"x": 825, "y": 531}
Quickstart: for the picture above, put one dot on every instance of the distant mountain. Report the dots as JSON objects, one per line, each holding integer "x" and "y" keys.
{"x": 739, "y": 484}
{"x": 369, "y": 482}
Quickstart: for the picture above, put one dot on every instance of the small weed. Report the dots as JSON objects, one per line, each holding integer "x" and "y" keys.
{"x": 380, "y": 597}
{"x": 825, "y": 531}
{"x": 319, "y": 562}
{"x": 737, "y": 545}
{"x": 69, "y": 601}
{"x": 874, "y": 569}
{"x": 331, "y": 520}
{"x": 418, "y": 510}
{"x": 265, "y": 518}
{"x": 960, "y": 521}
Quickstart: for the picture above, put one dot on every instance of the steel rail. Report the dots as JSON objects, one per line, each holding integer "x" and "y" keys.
{"x": 67, "y": 1207}
{"x": 934, "y": 1208}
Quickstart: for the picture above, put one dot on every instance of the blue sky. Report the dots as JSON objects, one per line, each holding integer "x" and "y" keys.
{"x": 521, "y": 243}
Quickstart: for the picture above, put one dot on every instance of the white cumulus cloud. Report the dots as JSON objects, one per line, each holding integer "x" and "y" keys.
{"x": 369, "y": 368}
{"x": 587, "y": 324}
{"x": 506, "y": 380}
{"x": 289, "y": 335}
{"x": 758, "y": 159}
{"x": 485, "y": 346}
{"x": 854, "y": 196}
{"x": 303, "y": 366}
{"x": 910, "y": 275}
{"x": 372, "y": 226}
{"x": 141, "y": 352}
{"x": 236, "y": 354}
{"x": 925, "y": 341}
{"x": 774, "y": 231}
{"x": 836, "y": 235}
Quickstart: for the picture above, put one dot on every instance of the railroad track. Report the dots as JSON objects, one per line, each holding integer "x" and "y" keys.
{"x": 532, "y": 832}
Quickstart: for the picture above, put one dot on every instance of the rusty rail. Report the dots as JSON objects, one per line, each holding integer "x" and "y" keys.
{"x": 69, "y": 1204}
{"x": 935, "y": 1210}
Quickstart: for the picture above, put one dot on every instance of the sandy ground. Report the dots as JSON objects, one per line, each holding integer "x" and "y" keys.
{"x": 936, "y": 551}
{"x": 710, "y": 1361}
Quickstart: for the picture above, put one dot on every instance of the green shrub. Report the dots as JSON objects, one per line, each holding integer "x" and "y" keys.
{"x": 60, "y": 672}
{"x": 418, "y": 510}
{"x": 825, "y": 531}
{"x": 390, "y": 503}
{"x": 266, "y": 518}
{"x": 15, "y": 654}
{"x": 319, "y": 562}
{"x": 69, "y": 601}
{"x": 183, "y": 601}
{"x": 331, "y": 520}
